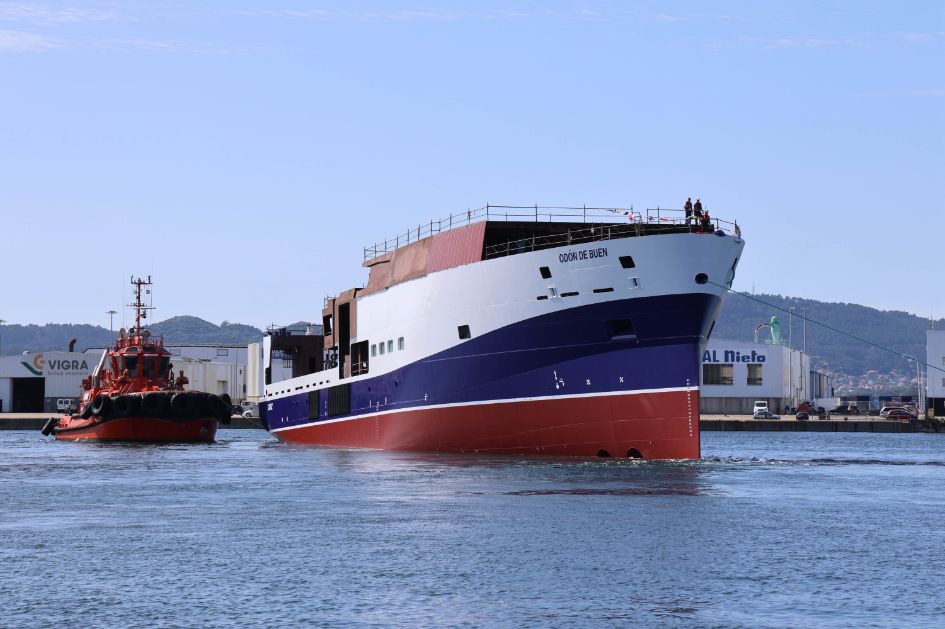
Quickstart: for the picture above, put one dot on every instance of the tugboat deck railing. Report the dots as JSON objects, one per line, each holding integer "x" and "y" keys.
{"x": 637, "y": 222}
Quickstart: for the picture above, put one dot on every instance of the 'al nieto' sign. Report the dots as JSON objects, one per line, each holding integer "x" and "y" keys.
{"x": 732, "y": 356}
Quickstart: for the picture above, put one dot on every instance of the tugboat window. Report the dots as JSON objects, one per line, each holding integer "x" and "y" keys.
{"x": 464, "y": 332}
{"x": 131, "y": 364}
{"x": 545, "y": 272}
{"x": 381, "y": 348}
{"x": 627, "y": 262}
{"x": 400, "y": 343}
{"x": 374, "y": 350}
{"x": 390, "y": 346}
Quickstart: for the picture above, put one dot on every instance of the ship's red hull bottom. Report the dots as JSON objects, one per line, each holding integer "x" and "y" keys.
{"x": 144, "y": 429}
{"x": 650, "y": 425}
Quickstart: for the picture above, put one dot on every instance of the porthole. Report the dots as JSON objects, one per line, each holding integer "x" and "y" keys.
{"x": 701, "y": 278}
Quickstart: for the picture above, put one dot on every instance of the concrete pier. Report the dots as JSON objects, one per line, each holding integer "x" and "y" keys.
{"x": 860, "y": 424}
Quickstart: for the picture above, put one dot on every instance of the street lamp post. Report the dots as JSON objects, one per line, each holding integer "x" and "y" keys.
{"x": 805, "y": 309}
{"x": 236, "y": 359}
{"x": 111, "y": 321}
{"x": 918, "y": 386}
{"x": 791, "y": 327}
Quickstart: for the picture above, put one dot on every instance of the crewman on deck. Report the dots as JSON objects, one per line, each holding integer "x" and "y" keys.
{"x": 697, "y": 209}
{"x": 181, "y": 380}
{"x": 123, "y": 379}
{"x": 688, "y": 208}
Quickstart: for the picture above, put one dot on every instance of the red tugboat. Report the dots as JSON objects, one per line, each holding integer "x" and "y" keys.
{"x": 132, "y": 395}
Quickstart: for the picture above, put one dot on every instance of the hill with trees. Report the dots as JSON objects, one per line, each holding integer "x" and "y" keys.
{"x": 15, "y": 339}
{"x": 896, "y": 330}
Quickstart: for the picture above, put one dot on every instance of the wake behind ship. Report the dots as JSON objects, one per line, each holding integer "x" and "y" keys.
{"x": 563, "y": 331}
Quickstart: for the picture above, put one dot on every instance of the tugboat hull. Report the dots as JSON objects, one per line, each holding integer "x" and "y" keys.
{"x": 137, "y": 429}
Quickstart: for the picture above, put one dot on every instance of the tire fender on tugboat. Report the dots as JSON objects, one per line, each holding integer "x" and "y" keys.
{"x": 154, "y": 404}
{"x": 49, "y": 426}
{"x": 183, "y": 403}
{"x": 126, "y": 405}
{"x": 221, "y": 409}
{"x": 101, "y": 406}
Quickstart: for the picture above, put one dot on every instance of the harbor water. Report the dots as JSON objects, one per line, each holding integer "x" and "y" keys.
{"x": 769, "y": 529}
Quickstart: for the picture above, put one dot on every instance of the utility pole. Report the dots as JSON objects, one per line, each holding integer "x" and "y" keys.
{"x": 2, "y": 321}
{"x": 805, "y": 309}
{"x": 791, "y": 327}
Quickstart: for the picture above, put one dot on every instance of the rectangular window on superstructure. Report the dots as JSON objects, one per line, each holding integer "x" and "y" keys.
{"x": 373, "y": 350}
{"x": 390, "y": 346}
{"x": 545, "y": 272}
{"x": 754, "y": 374}
{"x": 464, "y": 332}
{"x": 222, "y": 352}
{"x": 718, "y": 374}
{"x": 627, "y": 262}
{"x": 380, "y": 347}
{"x": 400, "y": 344}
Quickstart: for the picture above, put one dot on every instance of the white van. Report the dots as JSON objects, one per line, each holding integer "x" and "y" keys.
{"x": 760, "y": 405}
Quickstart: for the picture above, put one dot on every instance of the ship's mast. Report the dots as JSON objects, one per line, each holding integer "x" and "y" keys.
{"x": 140, "y": 307}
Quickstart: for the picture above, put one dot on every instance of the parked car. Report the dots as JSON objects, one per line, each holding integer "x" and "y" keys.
{"x": 802, "y": 416}
{"x": 886, "y": 410}
{"x": 765, "y": 414}
{"x": 249, "y": 409}
{"x": 846, "y": 409}
{"x": 899, "y": 414}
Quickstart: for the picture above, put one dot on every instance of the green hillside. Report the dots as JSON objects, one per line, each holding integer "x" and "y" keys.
{"x": 16, "y": 339}
{"x": 896, "y": 330}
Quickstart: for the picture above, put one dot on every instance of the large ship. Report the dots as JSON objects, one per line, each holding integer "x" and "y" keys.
{"x": 133, "y": 396}
{"x": 561, "y": 331}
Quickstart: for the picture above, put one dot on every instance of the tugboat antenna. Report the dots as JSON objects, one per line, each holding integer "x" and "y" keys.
{"x": 140, "y": 307}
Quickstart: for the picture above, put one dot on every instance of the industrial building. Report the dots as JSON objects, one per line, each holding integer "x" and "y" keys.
{"x": 735, "y": 374}
{"x": 42, "y": 382}
{"x": 51, "y": 381}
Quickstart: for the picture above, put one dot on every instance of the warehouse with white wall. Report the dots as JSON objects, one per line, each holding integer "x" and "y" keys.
{"x": 735, "y": 374}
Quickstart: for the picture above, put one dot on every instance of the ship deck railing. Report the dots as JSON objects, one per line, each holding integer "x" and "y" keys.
{"x": 623, "y": 222}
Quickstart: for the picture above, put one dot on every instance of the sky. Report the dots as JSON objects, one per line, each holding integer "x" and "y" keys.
{"x": 243, "y": 153}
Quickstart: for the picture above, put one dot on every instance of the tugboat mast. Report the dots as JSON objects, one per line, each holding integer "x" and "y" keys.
{"x": 140, "y": 307}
